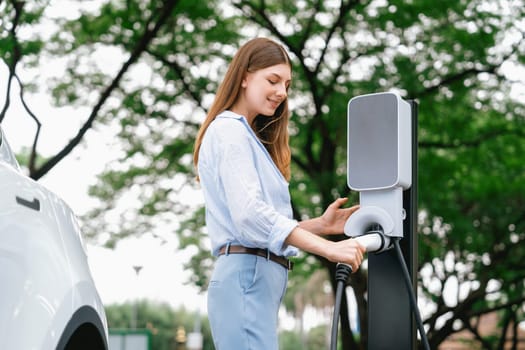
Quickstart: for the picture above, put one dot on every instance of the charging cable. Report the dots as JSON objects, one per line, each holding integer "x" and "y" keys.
{"x": 374, "y": 241}
{"x": 411, "y": 295}
{"x": 342, "y": 271}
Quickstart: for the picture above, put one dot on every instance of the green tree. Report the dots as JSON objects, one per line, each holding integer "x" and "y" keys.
{"x": 313, "y": 291}
{"x": 160, "y": 319}
{"x": 289, "y": 340}
{"x": 316, "y": 339}
{"x": 455, "y": 58}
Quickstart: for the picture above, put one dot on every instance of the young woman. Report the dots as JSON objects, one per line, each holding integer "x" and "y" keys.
{"x": 243, "y": 161}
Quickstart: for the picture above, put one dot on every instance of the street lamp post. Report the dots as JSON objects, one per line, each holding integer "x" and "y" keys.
{"x": 137, "y": 269}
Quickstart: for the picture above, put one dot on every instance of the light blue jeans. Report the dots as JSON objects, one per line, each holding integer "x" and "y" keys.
{"x": 244, "y": 296}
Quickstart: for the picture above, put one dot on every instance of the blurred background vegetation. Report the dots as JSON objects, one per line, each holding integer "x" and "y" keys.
{"x": 163, "y": 322}
{"x": 461, "y": 60}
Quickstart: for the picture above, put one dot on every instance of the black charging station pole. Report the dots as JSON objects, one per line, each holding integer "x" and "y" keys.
{"x": 391, "y": 324}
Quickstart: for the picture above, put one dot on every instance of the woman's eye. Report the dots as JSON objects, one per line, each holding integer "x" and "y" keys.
{"x": 272, "y": 82}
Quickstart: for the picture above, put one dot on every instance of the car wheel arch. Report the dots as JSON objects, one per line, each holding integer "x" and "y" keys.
{"x": 84, "y": 330}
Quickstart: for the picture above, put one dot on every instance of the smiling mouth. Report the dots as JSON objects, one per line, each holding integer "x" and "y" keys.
{"x": 274, "y": 104}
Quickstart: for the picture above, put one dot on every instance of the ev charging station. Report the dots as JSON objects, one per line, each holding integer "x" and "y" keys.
{"x": 382, "y": 166}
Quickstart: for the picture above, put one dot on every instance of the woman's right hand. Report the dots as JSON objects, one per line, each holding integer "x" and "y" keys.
{"x": 347, "y": 251}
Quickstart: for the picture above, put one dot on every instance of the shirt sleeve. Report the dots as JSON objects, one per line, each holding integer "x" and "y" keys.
{"x": 258, "y": 223}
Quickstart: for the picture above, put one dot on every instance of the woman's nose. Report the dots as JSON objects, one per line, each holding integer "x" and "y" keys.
{"x": 282, "y": 91}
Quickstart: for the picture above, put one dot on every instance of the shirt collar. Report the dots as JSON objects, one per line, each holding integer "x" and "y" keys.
{"x": 230, "y": 114}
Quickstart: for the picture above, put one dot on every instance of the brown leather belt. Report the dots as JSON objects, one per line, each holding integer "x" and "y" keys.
{"x": 265, "y": 253}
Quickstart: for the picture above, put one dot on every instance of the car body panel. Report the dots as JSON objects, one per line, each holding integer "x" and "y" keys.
{"x": 44, "y": 273}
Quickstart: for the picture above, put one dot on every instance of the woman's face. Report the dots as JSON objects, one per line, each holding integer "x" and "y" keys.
{"x": 263, "y": 91}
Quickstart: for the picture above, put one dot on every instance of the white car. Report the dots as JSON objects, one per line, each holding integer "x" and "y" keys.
{"x": 48, "y": 299}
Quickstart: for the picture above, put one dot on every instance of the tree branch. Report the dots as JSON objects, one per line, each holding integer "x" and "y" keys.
{"x": 477, "y": 335}
{"x": 343, "y": 11}
{"x": 437, "y": 336}
{"x": 474, "y": 142}
{"x": 309, "y": 25}
{"x": 7, "y": 96}
{"x": 16, "y": 55}
{"x": 504, "y": 329}
{"x": 33, "y": 155}
{"x": 459, "y": 76}
{"x": 148, "y": 36}
{"x": 259, "y": 17}
{"x": 303, "y": 165}
{"x": 195, "y": 96}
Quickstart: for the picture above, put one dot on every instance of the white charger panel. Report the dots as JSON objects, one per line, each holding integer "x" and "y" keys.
{"x": 379, "y": 142}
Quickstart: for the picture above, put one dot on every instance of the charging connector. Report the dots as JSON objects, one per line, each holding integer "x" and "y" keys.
{"x": 374, "y": 241}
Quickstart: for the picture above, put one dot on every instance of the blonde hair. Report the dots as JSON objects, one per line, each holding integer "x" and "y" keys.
{"x": 256, "y": 54}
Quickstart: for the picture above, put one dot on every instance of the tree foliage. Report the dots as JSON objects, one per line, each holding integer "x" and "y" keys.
{"x": 456, "y": 58}
{"x": 160, "y": 319}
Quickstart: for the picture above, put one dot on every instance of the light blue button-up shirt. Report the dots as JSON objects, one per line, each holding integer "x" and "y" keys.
{"x": 246, "y": 197}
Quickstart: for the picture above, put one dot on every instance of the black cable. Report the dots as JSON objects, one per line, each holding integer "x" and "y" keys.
{"x": 411, "y": 295}
{"x": 342, "y": 271}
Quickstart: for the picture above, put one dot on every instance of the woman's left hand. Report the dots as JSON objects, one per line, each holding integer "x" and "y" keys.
{"x": 334, "y": 218}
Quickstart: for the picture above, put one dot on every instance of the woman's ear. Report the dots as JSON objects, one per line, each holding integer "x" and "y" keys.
{"x": 244, "y": 82}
